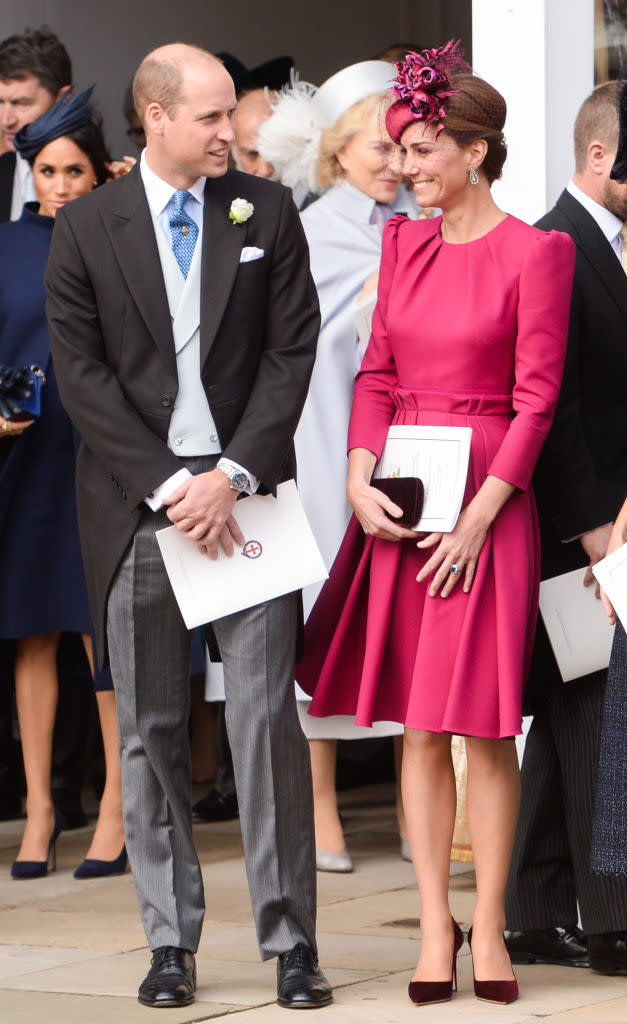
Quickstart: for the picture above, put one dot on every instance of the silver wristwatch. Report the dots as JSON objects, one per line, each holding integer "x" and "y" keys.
{"x": 238, "y": 480}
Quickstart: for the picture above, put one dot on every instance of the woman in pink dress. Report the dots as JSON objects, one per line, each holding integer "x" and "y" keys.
{"x": 470, "y": 330}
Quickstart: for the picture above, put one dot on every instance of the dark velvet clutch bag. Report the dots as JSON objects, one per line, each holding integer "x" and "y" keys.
{"x": 407, "y": 492}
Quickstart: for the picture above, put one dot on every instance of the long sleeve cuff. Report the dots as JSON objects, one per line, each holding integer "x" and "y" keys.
{"x": 164, "y": 490}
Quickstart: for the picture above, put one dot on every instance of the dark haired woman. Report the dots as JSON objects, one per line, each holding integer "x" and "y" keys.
{"x": 470, "y": 330}
{"x": 42, "y": 587}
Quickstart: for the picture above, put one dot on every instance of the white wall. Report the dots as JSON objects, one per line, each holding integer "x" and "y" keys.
{"x": 540, "y": 55}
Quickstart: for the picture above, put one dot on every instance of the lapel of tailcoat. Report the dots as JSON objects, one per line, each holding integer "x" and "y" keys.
{"x": 222, "y": 243}
{"x": 595, "y": 247}
{"x": 130, "y": 228}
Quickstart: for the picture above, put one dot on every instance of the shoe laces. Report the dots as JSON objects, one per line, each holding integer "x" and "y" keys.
{"x": 167, "y": 958}
{"x": 300, "y": 958}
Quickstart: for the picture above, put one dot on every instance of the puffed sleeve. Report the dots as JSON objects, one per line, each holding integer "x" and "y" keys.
{"x": 545, "y": 287}
{"x": 373, "y": 407}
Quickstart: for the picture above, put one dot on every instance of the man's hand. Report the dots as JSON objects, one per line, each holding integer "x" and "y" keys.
{"x": 201, "y": 509}
{"x": 118, "y": 168}
{"x": 595, "y": 545}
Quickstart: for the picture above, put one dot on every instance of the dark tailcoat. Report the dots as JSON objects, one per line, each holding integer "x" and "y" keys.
{"x": 581, "y": 477}
{"x": 113, "y": 348}
{"x": 580, "y": 483}
{"x": 7, "y": 172}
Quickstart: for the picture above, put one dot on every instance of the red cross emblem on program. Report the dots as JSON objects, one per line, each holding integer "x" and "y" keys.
{"x": 252, "y": 549}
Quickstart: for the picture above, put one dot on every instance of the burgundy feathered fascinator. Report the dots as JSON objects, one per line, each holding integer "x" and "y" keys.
{"x": 423, "y": 86}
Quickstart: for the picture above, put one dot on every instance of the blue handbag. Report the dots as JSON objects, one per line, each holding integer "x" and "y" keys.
{"x": 20, "y": 392}
{"x": 37, "y": 379}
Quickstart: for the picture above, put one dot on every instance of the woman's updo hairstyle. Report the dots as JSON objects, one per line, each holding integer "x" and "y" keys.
{"x": 477, "y": 111}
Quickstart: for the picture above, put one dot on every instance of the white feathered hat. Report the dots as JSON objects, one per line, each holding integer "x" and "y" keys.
{"x": 290, "y": 137}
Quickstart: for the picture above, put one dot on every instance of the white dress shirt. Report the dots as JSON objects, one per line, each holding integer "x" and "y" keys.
{"x": 160, "y": 200}
{"x": 23, "y": 189}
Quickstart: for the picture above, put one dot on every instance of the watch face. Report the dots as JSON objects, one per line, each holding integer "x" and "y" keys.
{"x": 239, "y": 481}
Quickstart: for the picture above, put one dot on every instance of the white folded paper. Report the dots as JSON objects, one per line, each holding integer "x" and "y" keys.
{"x": 280, "y": 555}
{"x": 611, "y": 573}
{"x": 363, "y": 322}
{"x": 439, "y": 456}
{"x": 577, "y": 625}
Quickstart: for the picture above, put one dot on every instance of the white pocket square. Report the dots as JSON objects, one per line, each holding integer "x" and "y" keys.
{"x": 249, "y": 252}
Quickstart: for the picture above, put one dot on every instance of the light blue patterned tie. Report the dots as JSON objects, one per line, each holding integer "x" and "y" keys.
{"x": 183, "y": 231}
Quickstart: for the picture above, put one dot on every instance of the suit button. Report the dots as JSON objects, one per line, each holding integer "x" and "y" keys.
{"x": 166, "y": 401}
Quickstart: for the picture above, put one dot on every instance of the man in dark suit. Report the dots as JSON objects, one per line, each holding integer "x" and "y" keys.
{"x": 35, "y": 70}
{"x": 580, "y": 482}
{"x": 183, "y": 341}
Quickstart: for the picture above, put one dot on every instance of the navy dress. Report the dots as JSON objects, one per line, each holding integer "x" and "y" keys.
{"x": 42, "y": 584}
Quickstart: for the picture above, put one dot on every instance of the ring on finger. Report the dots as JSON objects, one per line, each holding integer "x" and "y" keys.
{"x": 454, "y": 569}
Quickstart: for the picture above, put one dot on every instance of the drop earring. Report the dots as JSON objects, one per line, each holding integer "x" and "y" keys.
{"x": 472, "y": 174}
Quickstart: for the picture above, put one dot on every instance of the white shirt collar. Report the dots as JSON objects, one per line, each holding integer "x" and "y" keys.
{"x": 610, "y": 225}
{"x": 23, "y": 190}
{"x": 159, "y": 192}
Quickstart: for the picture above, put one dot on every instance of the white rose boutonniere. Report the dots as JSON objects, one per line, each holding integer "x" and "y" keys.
{"x": 240, "y": 211}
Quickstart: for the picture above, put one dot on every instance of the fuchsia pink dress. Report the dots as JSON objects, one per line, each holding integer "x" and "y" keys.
{"x": 467, "y": 335}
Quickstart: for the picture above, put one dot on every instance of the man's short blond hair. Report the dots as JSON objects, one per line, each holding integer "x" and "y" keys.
{"x": 597, "y": 121}
{"x": 159, "y": 79}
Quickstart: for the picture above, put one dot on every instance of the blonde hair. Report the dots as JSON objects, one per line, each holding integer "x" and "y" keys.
{"x": 159, "y": 77}
{"x": 338, "y": 134}
{"x": 597, "y": 121}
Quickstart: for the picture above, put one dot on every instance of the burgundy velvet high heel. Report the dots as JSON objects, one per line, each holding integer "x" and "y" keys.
{"x": 493, "y": 991}
{"x": 423, "y": 992}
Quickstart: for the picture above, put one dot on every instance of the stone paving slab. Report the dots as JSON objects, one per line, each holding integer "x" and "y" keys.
{"x": 614, "y": 1011}
{"x": 344, "y": 950}
{"x": 74, "y": 953}
{"x": 16, "y": 961}
{"x": 229, "y": 982}
{"x": 49, "y": 1008}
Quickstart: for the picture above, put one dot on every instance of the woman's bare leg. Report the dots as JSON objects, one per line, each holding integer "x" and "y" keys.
{"x": 108, "y": 839}
{"x": 430, "y": 801}
{"x": 329, "y": 835}
{"x": 398, "y": 767}
{"x": 493, "y": 799}
{"x": 37, "y": 691}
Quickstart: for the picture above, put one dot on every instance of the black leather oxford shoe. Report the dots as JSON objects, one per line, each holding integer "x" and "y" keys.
{"x": 171, "y": 980}
{"x": 215, "y": 807}
{"x": 301, "y": 985}
{"x": 608, "y": 953}
{"x": 565, "y": 947}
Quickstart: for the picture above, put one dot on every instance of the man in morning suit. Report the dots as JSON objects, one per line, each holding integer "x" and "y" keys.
{"x": 183, "y": 343}
{"x": 580, "y": 482}
{"x": 35, "y": 70}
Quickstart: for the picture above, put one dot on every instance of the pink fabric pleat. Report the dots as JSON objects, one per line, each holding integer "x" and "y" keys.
{"x": 378, "y": 647}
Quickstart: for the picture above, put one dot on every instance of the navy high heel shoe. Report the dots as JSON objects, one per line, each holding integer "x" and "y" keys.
{"x": 91, "y": 868}
{"x": 39, "y": 868}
